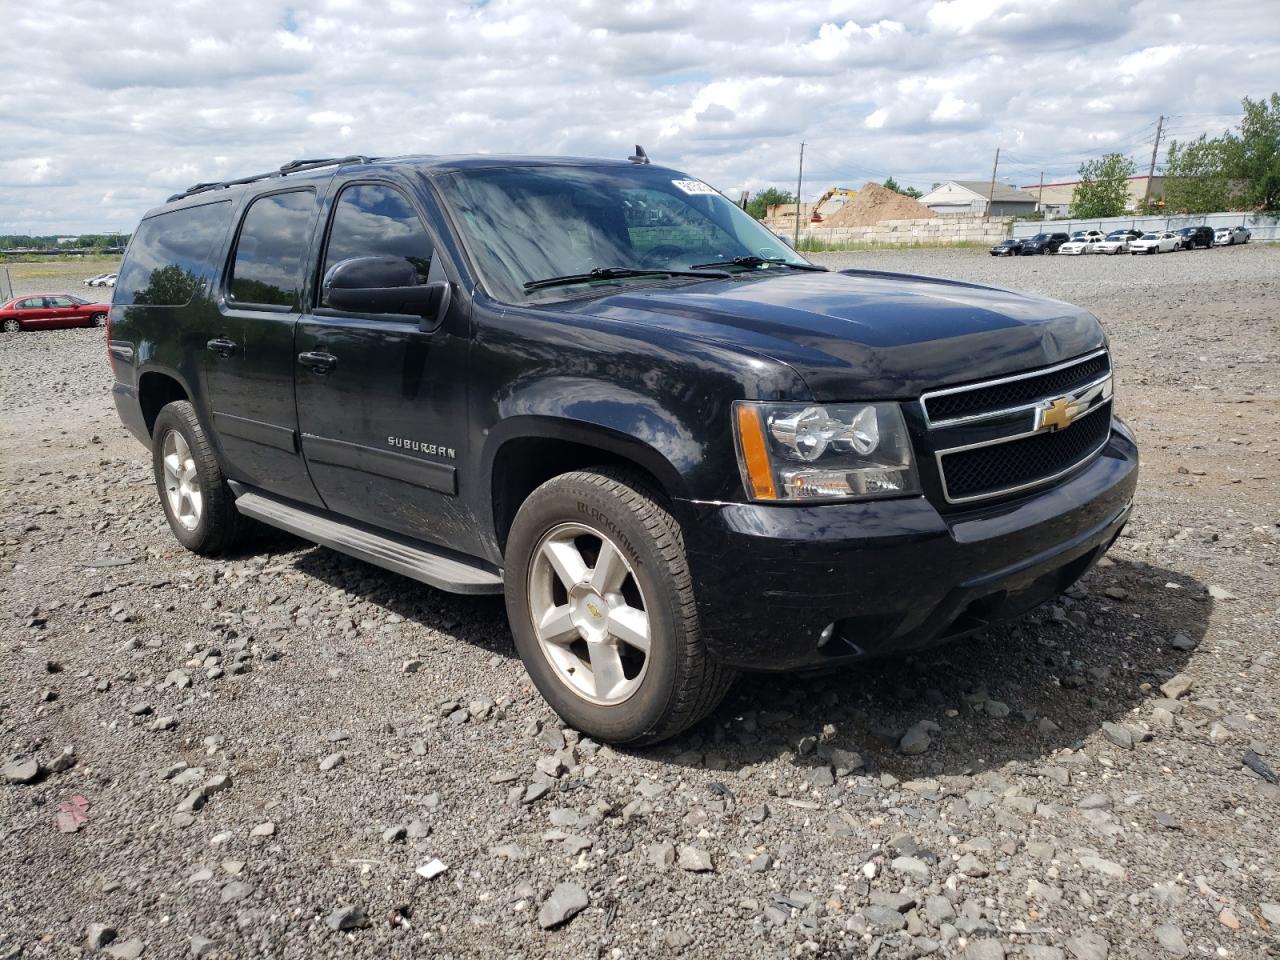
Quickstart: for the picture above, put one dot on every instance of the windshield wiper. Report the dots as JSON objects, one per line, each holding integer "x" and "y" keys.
{"x": 754, "y": 262}
{"x": 617, "y": 273}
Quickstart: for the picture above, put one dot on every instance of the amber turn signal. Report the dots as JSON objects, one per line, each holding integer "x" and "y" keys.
{"x": 755, "y": 456}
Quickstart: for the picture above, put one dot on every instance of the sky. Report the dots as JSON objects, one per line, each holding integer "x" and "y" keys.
{"x": 113, "y": 106}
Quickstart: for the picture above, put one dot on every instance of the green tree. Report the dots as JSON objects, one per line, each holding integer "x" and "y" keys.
{"x": 1195, "y": 176}
{"x": 1254, "y": 155}
{"x": 1103, "y": 190}
{"x": 758, "y": 206}
{"x": 912, "y": 192}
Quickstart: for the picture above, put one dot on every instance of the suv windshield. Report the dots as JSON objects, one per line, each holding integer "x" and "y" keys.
{"x": 526, "y": 224}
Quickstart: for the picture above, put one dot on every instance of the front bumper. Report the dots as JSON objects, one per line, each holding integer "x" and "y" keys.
{"x": 892, "y": 576}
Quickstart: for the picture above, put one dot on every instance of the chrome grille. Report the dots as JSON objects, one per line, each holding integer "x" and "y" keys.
{"x": 999, "y": 437}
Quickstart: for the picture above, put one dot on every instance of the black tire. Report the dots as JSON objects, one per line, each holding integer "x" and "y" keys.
{"x": 11, "y": 325}
{"x": 681, "y": 684}
{"x": 97, "y": 320}
{"x": 220, "y": 525}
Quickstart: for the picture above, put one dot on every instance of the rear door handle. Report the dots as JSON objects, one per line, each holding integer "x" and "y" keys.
{"x": 222, "y": 346}
{"x": 318, "y": 361}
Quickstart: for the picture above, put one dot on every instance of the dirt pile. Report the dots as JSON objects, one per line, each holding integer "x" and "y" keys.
{"x": 875, "y": 203}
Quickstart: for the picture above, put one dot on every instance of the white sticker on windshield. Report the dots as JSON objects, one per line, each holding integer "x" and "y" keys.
{"x": 693, "y": 186}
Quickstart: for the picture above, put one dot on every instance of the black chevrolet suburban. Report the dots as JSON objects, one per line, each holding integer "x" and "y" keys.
{"x": 600, "y": 388}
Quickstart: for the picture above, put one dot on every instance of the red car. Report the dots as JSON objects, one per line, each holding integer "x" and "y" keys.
{"x": 51, "y": 311}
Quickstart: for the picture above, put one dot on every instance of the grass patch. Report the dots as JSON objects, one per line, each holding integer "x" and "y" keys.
{"x": 818, "y": 245}
{"x": 57, "y": 266}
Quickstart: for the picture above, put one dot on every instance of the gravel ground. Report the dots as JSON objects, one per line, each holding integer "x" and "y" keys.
{"x": 289, "y": 753}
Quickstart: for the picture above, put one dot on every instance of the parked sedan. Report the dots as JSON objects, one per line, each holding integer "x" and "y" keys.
{"x": 1007, "y": 248}
{"x": 1164, "y": 242}
{"x": 1117, "y": 241}
{"x": 1082, "y": 242}
{"x": 95, "y": 280}
{"x": 1229, "y": 236}
{"x": 51, "y": 311}
{"x": 1044, "y": 243}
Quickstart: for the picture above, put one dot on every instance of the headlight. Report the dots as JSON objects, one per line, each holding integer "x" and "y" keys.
{"x": 840, "y": 451}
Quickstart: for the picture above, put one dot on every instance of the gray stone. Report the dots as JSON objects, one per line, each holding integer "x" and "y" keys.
{"x": 347, "y": 918}
{"x": 1270, "y": 913}
{"x": 201, "y": 946}
{"x": 760, "y": 863}
{"x": 984, "y": 950}
{"x": 971, "y": 866}
{"x": 1037, "y": 952}
{"x": 129, "y": 949}
{"x": 333, "y": 760}
{"x": 917, "y": 740}
{"x": 1180, "y": 641}
{"x": 1088, "y": 946}
{"x": 263, "y": 830}
{"x": 1177, "y": 687}
{"x": 235, "y": 891}
{"x": 939, "y": 910}
{"x": 97, "y": 936}
{"x": 395, "y": 834}
{"x": 693, "y": 859}
{"x": 567, "y": 900}
{"x": 902, "y": 902}
{"x": 884, "y": 919}
{"x": 1171, "y": 939}
{"x": 994, "y": 708}
{"x": 63, "y": 761}
{"x": 22, "y": 771}
{"x": 509, "y": 851}
{"x": 845, "y": 761}
{"x": 1107, "y": 868}
{"x": 661, "y": 855}
{"x": 911, "y": 867}
{"x": 418, "y": 830}
{"x": 1118, "y": 734}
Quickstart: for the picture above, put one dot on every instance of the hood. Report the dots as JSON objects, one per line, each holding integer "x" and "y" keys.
{"x": 866, "y": 334}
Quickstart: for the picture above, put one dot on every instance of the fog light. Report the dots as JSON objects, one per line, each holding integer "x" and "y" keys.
{"x": 825, "y": 636}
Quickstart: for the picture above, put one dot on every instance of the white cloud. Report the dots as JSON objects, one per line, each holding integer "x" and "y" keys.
{"x": 918, "y": 89}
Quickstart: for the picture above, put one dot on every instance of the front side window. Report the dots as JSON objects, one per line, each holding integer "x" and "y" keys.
{"x": 375, "y": 220}
{"x": 57, "y": 301}
{"x": 272, "y": 249}
{"x": 524, "y": 224}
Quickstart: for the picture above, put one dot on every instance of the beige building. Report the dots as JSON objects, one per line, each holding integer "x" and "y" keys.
{"x": 1055, "y": 198}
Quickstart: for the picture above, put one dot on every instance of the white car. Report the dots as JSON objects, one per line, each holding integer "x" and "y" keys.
{"x": 1082, "y": 241}
{"x": 1229, "y": 236}
{"x": 1116, "y": 242}
{"x": 1163, "y": 242}
{"x": 106, "y": 280}
{"x": 95, "y": 281}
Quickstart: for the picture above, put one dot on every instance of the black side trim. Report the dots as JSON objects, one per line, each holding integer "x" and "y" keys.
{"x": 439, "y": 477}
{"x": 428, "y": 564}
{"x": 256, "y": 431}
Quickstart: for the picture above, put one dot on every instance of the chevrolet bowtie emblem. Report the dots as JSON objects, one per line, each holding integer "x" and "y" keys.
{"x": 1058, "y": 414}
{"x": 595, "y": 611}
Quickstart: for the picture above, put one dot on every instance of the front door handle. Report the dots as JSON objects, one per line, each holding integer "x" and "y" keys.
{"x": 318, "y": 361}
{"x": 222, "y": 346}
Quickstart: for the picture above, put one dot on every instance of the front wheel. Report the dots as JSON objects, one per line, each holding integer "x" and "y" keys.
{"x": 600, "y": 601}
{"x": 97, "y": 320}
{"x": 197, "y": 501}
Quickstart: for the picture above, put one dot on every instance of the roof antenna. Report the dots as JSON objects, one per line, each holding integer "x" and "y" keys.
{"x": 640, "y": 155}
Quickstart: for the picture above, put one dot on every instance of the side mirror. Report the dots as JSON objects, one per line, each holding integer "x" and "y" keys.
{"x": 385, "y": 285}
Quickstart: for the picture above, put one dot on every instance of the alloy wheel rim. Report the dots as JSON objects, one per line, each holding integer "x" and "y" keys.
{"x": 11, "y": 326}
{"x": 181, "y": 481}
{"x": 589, "y": 614}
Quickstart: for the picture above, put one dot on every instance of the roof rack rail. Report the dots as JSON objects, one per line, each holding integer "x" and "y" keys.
{"x": 293, "y": 166}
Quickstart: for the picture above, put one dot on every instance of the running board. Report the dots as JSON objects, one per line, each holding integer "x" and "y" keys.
{"x": 420, "y": 562}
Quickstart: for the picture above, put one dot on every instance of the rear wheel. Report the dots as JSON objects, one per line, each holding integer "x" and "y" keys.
{"x": 97, "y": 320}
{"x": 12, "y": 326}
{"x": 196, "y": 499}
{"x": 600, "y": 601}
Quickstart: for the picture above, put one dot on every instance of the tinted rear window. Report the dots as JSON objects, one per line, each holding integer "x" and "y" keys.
{"x": 272, "y": 249}
{"x": 169, "y": 256}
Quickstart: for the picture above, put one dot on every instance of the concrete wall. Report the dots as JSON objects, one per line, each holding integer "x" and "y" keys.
{"x": 939, "y": 230}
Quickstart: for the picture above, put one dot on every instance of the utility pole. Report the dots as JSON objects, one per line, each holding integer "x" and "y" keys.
{"x": 1151, "y": 172}
{"x": 992, "y": 192}
{"x": 1040, "y": 199}
{"x": 799, "y": 182}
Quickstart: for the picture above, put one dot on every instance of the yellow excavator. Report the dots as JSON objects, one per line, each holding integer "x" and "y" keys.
{"x": 833, "y": 192}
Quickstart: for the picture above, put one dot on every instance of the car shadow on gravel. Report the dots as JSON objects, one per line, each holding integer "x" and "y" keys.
{"x": 1060, "y": 672}
{"x": 1019, "y": 691}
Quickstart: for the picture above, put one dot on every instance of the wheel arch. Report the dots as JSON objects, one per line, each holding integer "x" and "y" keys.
{"x": 156, "y": 388}
{"x": 526, "y": 451}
